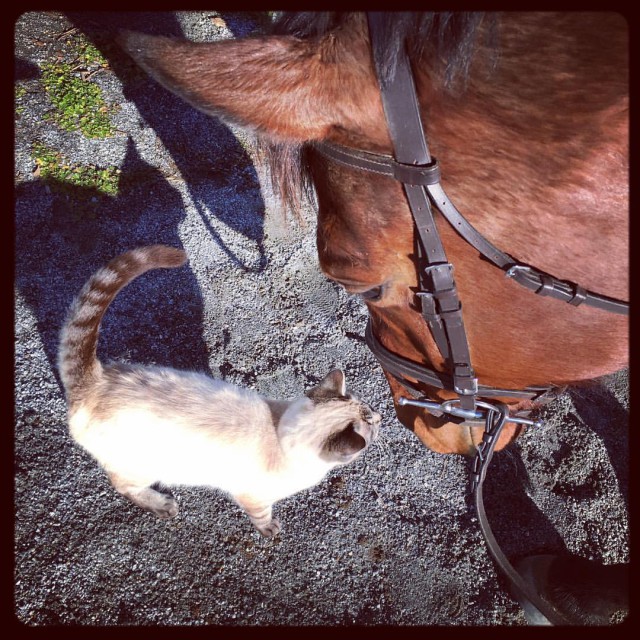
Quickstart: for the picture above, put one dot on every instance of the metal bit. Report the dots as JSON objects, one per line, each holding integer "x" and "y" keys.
{"x": 449, "y": 406}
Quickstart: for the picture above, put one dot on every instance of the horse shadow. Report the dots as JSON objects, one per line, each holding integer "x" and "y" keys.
{"x": 509, "y": 508}
{"x": 601, "y": 412}
{"x": 205, "y": 152}
{"x": 508, "y": 482}
{"x": 64, "y": 233}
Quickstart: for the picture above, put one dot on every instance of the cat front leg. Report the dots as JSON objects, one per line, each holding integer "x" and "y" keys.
{"x": 260, "y": 515}
{"x": 163, "y": 505}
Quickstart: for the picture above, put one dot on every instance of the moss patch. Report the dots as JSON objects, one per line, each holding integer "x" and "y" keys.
{"x": 90, "y": 56}
{"x": 79, "y": 104}
{"x": 52, "y": 165}
{"x": 19, "y": 93}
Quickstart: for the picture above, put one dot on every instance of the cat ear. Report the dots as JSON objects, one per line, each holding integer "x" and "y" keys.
{"x": 342, "y": 446}
{"x": 333, "y": 385}
{"x": 280, "y": 86}
{"x": 336, "y": 381}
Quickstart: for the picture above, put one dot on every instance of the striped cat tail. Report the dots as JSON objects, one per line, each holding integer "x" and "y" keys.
{"x": 77, "y": 361}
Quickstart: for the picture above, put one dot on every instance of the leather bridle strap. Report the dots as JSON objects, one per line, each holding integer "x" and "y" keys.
{"x": 440, "y": 303}
{"x": 529, "y": 277}
{"x": 406, "y": 371}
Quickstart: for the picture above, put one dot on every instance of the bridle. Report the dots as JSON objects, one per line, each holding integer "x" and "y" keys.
{"x": 419, "y": 173}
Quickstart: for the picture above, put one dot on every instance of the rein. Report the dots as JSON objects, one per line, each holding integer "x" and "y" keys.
{"x": 419, "y": 173}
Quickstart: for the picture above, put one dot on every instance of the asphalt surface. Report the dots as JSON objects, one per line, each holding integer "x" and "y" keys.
{"x": 389, "y": 540}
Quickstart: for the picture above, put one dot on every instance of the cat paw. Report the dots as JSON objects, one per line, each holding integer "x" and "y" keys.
{"x": 271, "y": 529}
{"x": 165, "y": 508}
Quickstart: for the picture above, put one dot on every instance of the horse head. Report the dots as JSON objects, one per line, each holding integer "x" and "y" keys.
{"x": 528, "y": 117}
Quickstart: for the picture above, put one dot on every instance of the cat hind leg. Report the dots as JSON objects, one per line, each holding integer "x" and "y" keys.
{"x": 146, "y": 497}
{"x": 260, "y": 515}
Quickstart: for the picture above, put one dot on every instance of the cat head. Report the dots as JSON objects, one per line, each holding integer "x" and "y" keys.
{"x": 346, "y": 425}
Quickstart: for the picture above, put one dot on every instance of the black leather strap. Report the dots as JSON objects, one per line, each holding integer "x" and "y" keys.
{"x": 380, "y": 163}
{"x": 525, "y": 275}
{"x": 545, "y": 285}
{"x": 466, "y": 229}
{"x": 399, "y": 99}
{"x": 406, "y": 371}
{"x": 444, "y": 314}
{"x": 495, "y": 422}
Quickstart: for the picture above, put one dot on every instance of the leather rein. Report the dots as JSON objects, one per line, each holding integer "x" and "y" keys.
{"x": 419, "y": 173}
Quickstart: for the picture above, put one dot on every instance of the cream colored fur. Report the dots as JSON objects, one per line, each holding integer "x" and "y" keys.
{"x": 148, "y": 425}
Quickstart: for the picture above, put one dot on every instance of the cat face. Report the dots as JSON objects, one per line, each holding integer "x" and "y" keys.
{"x": 356, "y": 424}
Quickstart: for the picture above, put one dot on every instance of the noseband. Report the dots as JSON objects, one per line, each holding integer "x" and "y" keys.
{"x": 419, "y": 173}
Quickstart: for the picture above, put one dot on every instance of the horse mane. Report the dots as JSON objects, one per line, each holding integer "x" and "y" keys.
{"x": 446, "y": 37}
{"x": 445, "y": 40}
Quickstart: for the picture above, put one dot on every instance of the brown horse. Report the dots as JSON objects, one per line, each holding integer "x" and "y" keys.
{"x": 528, "y": 117}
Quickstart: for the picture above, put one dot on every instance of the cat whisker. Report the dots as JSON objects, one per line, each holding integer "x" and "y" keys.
{"x": 381, "y": 449}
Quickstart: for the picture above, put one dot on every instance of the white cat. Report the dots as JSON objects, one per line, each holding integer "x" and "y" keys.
{"x": 150, "y": 425}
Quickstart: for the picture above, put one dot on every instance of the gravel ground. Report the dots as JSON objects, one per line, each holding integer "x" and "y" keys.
{"x": 391, "y": 539}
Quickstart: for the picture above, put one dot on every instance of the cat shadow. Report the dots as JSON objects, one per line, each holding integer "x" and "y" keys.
{"x": 206, "y": 154}
{"x": 25, "y": 70}
{"x": 63, "y": 233}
